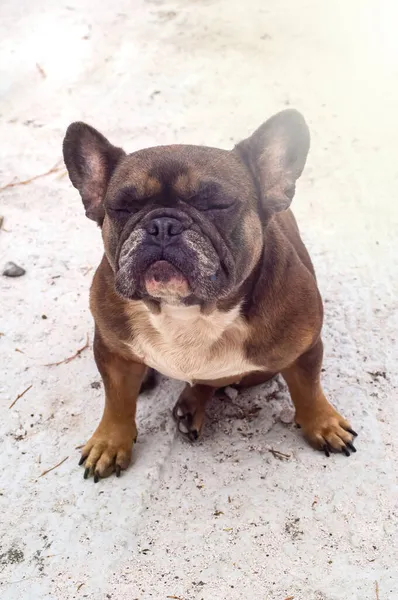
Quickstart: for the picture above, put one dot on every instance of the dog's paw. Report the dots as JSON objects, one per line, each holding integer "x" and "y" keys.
{"x": 108, "y": 451}
{"x": 328, "y": 431}
{"x": 189, "y": 418}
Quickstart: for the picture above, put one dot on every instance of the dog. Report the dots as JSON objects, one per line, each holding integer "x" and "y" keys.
{"x": 204, "y": 278}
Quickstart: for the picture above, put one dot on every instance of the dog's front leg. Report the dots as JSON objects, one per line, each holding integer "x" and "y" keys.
{"x": 110, "y": 447}
{"x": 189, "y": 411}
{"x": 322, "y": 425}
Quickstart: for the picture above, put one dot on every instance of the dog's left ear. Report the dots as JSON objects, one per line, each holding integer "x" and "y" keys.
{"x": 276, "y": 155}
{"x": 90, "y": 160}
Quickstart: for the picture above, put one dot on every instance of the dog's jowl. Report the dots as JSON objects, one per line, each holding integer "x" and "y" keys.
{"x": 204, "y": 278}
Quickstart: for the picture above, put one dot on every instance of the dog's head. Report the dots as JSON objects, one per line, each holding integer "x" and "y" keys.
{"x": 184, "y": 224}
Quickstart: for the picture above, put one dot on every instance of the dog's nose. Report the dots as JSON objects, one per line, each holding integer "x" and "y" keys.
{"x": 164, "y": 228}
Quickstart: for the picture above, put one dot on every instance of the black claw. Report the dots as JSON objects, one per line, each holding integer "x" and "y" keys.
{"x": 96, "y": 477}
{"x": 351, "y": 447}
{"x": 354, "y": 433}
{"x": 345, "y": 451}
{"x": 325, "y": 448}
{"x": 86, "y": 473}
{"x": 194, "y": 434}
{"x": 118, "y": 469}
{"x": 82, "y": 459}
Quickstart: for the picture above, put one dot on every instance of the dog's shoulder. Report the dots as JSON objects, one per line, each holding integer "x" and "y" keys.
{"x": 285, "y": 222}
{"x": 111, "y": 312}
{"x": 284, "y": 308}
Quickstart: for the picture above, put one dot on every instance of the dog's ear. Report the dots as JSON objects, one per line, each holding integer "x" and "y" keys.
{"x": 90, "y": 160}
{"x": 276, "y": 155}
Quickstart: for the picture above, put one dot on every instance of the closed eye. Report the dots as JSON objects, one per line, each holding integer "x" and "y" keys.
{"x": 217, "y": 207}
{"x": 207, "y": 205}
{"x": 119, "y": 209}
{"x": 211, "y": 196}
{"x": 124, "y": 203}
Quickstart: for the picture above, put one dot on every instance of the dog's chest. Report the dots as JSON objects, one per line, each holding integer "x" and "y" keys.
{"x": 184, "y": 344}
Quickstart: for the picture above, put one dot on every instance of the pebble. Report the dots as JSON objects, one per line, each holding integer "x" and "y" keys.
{"x": 231, "y": 392}
{"x": 13, "y": 270}
{"x": 286, "y": 415}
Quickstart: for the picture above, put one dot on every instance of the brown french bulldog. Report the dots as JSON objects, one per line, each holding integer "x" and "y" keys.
{"x": 204, "y": 278}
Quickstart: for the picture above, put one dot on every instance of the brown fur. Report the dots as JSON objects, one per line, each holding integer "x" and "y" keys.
{"x": 262, "y": 316}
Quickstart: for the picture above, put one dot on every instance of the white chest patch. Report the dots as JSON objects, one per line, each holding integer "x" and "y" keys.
{"x": 187, "y": 345}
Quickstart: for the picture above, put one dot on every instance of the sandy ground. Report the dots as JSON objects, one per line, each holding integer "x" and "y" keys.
{"x": 225, "y": 519}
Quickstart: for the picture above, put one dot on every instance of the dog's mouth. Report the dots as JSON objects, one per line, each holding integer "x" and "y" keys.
{"x": 162, "y": 279}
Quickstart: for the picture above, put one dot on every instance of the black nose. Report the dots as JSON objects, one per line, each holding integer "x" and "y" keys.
{"x": 164, "y": 228}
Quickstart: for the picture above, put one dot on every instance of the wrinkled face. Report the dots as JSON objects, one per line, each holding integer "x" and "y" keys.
{"x": 181, "y": 225}
{"x": 184, "y": 224}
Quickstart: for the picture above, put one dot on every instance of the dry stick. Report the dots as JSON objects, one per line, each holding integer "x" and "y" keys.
{"x": 20, "y": 396}
{"x": 55, "y": 467}
{"x": 2, "y": 228}
{"x": 70, "y": 358}
{"x": 278, "y": 454}
{"x": 41, "y": 70}
{"x": 12, "y": 184}
{"x": 290, "y": 598}
{"x": 377, "y": 590}
{"x": 175, "y": 597}
{"x": 19, "y": 580}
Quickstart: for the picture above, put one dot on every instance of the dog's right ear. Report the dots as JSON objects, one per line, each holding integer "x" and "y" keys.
{"x": 90, "y": 160}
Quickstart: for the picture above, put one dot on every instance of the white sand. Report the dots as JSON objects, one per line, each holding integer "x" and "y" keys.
{"x": 207, "y": 71}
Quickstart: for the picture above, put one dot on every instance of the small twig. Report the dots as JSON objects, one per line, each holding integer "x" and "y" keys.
{"x": 2, "y": 228}
{"x": 41, "y": 70}
{"x": 70, "y": 358}
{"x": 278, "y": 454}
{"x": 290, "y": 598}
{"x": 2, "y": 582}
{"x": 86, "y": 270}
{"x": 52, "y": 468}
{"x": 20, "y": 351}
{"x": 175, "y": 597}
{"x": 80, "y": 586}
{"x": 12, "y": 184}
{"x": 377, "y": 590}
{"x": 62, "y": 174}
{"x": 20, "y": 396}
